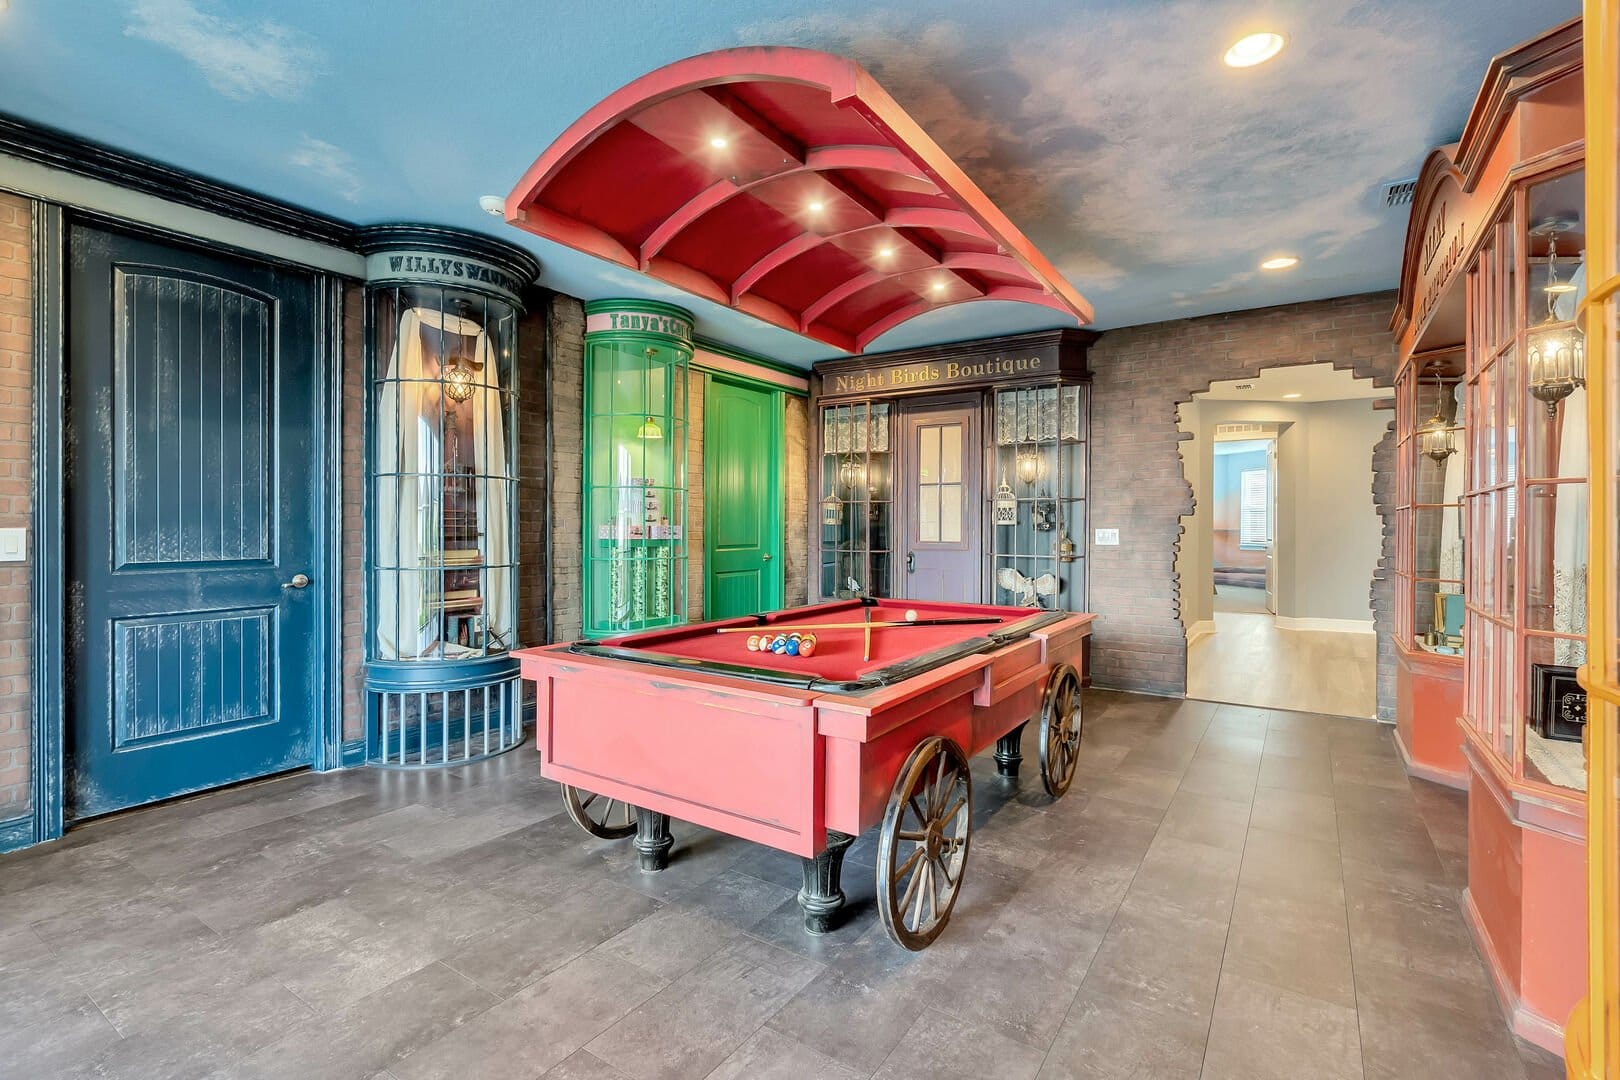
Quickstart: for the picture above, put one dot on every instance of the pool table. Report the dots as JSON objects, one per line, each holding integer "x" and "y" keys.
{"x": 805, "y": 753}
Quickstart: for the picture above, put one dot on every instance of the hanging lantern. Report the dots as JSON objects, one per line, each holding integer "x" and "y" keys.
{"x": 1030, "y": 466}
{"x": 1005, "y": 509}
{"x": 1556, "y": 349}
{"x": 832, "y": 511}
{"x": 1436, "y": 437}
{"x": 649, "y": 429}
{"x": 458, "y": 380}
{"x": 1065, "y": 547}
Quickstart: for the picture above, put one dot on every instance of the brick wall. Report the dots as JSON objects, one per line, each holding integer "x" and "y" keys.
{"x": 353, "y": 619}
{"x": 796, "y": 536}
{"x": 1141, "y": 374}
{"x": 16, "y": 402}
{"x": 566, "y": 347}
{"x": 533, "y": 518}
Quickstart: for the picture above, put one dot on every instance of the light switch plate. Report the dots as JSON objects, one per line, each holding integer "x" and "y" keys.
{"x": 1108, "y": 538}
{"x": 13, "y": 545}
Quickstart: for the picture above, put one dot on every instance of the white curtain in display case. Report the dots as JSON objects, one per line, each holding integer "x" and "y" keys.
{"x": 408, "y": 509}
{"x": 1570, "y": 510}
{"x": 1456, "y": 467}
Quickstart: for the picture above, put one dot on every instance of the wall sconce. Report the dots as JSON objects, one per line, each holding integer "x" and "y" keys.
{"x": 1556, "y": 354}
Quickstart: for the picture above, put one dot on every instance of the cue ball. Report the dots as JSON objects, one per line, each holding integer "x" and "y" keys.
{"x": 911, "y": 615}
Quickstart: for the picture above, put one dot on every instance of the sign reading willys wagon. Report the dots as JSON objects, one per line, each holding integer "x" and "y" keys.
{"x": 437, "y": 268}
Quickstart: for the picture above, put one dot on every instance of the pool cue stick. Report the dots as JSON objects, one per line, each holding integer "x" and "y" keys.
{"x": 866, "y": 636}
{"x": 762, "y": 628}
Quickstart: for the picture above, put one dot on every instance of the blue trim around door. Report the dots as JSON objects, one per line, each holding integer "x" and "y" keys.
{"x": 48, "y": 588}
{"x": 49, "y": 373}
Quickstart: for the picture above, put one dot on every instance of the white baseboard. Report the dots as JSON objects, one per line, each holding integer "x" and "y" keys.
{"x": 1331, "y": 626}
{"x": 1199, "y": 629}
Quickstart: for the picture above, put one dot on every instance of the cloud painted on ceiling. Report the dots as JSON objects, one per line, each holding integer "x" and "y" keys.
{"x": 1109, "y": 131}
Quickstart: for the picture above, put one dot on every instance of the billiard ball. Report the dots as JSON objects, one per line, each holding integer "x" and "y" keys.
{"x": 911, "y": 615}
{"x": 753, "y": 643}
{"x": 807, "y": 646}
{"x": 793, "y": 648}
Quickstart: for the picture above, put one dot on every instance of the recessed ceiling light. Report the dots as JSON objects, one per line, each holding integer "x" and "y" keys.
{"x": 489, "y": 204}
{"x": 885, "y": 251}
{"x": 938, "y": 285}
{"x": 719, "y": 142}
{"x": 1290, "y": 395}
{"x": 817, "y": 206}
{"x": 1281, "y": 262}
{"x": 1254, "y": 49}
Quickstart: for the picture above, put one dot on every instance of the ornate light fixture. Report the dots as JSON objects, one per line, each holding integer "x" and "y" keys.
{"x": 1436, "y": 437}
{"x": 458, "y": 380}
{"x": 1556, "y": 354}
{"x": 649, "y": 428}
{"x": 1030, "y": 465}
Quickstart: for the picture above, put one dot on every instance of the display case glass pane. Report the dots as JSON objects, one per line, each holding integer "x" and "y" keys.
{"x": 635, "y": 483}
{"x": 443, "y": 475}
{"x": 1035, "y": 485}
{"x": 856, "y": 495}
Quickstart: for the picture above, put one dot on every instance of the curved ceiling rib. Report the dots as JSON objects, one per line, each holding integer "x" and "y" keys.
{"x": 787, "y": 184}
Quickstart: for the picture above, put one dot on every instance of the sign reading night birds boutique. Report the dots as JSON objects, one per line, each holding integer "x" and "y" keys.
{"x": 992, "y": 362}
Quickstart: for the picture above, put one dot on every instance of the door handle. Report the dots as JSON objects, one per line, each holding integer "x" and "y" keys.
{"x": 911, "y": 562}
{"x": 767, "y": 556}
{"x": 299, "y": 581}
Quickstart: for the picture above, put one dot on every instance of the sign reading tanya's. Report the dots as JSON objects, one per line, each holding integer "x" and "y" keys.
{"x": 437, "y": 268}
{"x": 644, "y": 318}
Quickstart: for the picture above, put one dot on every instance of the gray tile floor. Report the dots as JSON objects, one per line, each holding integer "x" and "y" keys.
{"x": 1225, "y": 892}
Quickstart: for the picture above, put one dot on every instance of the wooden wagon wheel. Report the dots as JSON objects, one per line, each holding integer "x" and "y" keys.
{"x": 923, "y": 847}
{"x": 1060, "y": 729}
{"x": 611, "y": 819}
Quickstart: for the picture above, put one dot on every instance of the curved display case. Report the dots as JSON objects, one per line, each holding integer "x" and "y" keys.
{"x": 637, "y": 355}
{"x": 441, "y": 320}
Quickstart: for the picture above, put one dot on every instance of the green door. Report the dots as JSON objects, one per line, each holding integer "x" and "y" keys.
{"x": 742, "y": 497}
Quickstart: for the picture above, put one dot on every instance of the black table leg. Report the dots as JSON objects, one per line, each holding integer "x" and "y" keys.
{"x": 823, "y": 893}
{"x": 653, "y": 840}
{"x": 1009, "y": 751}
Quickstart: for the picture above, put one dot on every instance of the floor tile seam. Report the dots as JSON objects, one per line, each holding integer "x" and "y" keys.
{"x": 1109, "y": 929}
{"x": 1226, "y": 942}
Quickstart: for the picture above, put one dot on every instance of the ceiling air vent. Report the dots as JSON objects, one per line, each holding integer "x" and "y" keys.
{"x": 1241, "y": 429}
{"x": 1244, "y": 386}
{"x": 1399, "y": 193}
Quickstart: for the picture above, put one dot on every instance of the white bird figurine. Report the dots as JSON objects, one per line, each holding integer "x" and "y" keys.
{"x": 1027, "y": 591}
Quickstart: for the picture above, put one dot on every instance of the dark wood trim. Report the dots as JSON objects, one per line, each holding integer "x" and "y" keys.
{"x": 329, "y": 364}
{"x": 49, "y": 265}
{"x": 97, "y": 161}
{"x": 515, "y": 261}
{"x": 1068, "y": 346}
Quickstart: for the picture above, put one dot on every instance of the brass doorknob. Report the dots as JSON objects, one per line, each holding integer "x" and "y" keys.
{"x": 298, "y": 581}
{"x": 767, "y": 556}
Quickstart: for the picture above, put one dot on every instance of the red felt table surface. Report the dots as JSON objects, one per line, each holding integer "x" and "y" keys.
{"x": 838, "y": 652}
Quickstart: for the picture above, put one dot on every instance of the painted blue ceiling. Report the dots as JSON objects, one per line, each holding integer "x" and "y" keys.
{"x": 1155, "y": 178}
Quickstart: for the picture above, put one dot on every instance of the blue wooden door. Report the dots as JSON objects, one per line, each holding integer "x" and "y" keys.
{"x": 192, "y": 486}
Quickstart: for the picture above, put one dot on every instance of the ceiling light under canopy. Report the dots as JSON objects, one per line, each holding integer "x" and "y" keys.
{"x": 1281, "y": 262}
{"x": 1254, "y": 49}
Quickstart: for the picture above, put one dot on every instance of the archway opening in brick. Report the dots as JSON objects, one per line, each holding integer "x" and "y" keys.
{"x": 1279, "y": 555}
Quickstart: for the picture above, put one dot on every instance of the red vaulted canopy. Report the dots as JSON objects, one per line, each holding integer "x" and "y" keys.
{"x": 787, "y": 184}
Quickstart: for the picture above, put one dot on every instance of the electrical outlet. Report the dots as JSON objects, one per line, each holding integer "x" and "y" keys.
{"x": 1107, "y": 538}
